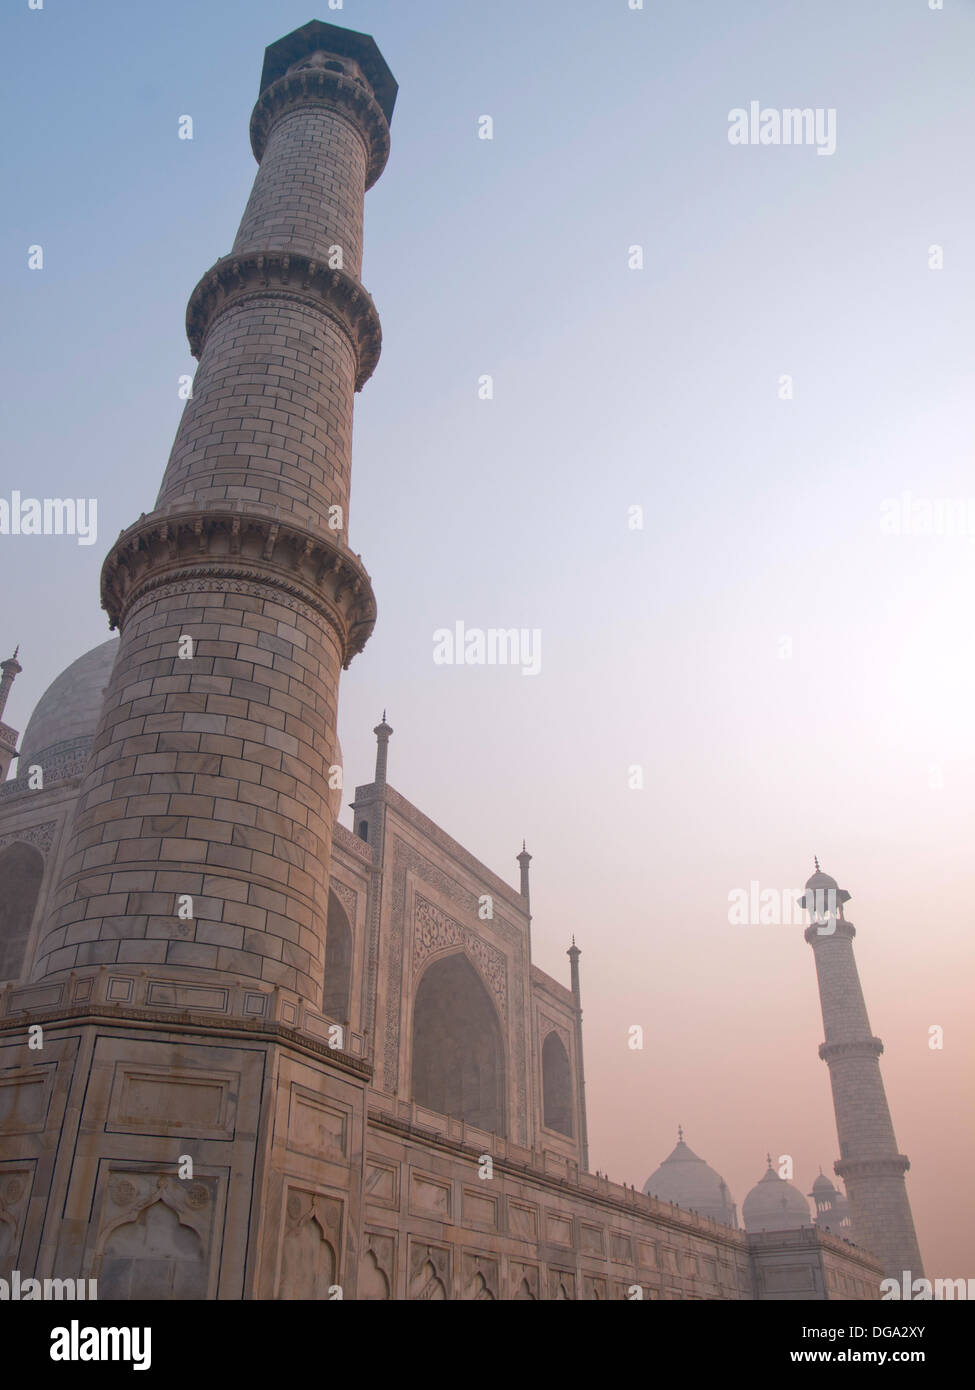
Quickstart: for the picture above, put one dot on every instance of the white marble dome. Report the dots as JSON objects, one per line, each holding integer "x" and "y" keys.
{"x": 689, "y": 1182}
{"x": 775, "y": 1205}
{"x": 60, "y": 731}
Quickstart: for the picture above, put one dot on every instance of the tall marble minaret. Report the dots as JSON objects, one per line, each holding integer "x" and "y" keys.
{"x": 869, "y": 1163}
{"x": 183, "y": 1113}
{"x": 237, "y": 597}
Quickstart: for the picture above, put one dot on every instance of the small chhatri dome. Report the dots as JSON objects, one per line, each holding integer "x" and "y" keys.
{"x": 64, "y": 721}
{"x": 689, "y": 1182}
{"x": 775, "y": 1205}
{"x": 822, "y": 1185}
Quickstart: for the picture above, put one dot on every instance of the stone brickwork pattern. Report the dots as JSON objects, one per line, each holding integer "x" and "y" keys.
{"x": 208, "y": 778}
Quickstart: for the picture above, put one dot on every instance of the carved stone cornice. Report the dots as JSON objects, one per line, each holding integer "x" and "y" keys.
{"x": 213, "y": 549}
{"x": 896, "y": 1165}
{"x": 862, "y": 1047}
{"x": 321, "y": 87}
{"x": 288, "y": 275}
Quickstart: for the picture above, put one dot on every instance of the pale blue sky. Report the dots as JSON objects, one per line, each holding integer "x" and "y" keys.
{"x": 612, "y": 387}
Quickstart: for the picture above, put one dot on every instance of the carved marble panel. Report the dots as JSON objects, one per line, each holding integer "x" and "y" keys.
{"x": 428, "y": 1272}
{"x": 156, "y": 1238}
{"x": 15, "y": 1188}
{"x": 377, "y": 1276}
{"x": 434, "y": 931}
{"x": 311, "y": 1245}
{"x": 524, "y": 1282}
{"x": 481, "y": 1276}
{"x": 40, "y": 836}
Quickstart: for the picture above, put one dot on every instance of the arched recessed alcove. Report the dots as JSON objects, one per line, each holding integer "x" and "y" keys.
{"x": 21, "y": 872}
{"x": 458, "y": 1052}
{"x": 556, "y": 1086}
{"x": 338, "y": 962}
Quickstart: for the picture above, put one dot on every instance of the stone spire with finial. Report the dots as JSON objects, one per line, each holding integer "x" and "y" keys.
{"x": 11, "y": 669}
{"x": 383, "y": 733}
{"x": 524, "y": 859}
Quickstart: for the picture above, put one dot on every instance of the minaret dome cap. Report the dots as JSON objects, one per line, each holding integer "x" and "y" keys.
{"x": 820, "y": 884}
{"x": 344, "y": 43}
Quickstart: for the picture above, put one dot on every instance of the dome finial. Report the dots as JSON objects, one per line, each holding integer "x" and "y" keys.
{"x": 680, "y": 1134}
{"x": 769, "y": 1157}
{"x": 816, "y": 862}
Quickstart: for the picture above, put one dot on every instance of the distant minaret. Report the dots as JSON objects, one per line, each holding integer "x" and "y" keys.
{"x": 11, "y": 669}
{"x": 869, "y": 1164}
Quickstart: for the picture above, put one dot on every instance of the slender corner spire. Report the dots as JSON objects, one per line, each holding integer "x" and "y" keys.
{"x": 11, "y": 669}
{"x": 524, "y": 859}
{"x": 574, "y": 953}
{"x": 383, "y": 733}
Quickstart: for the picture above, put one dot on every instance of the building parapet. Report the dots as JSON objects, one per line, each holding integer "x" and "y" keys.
{"x": 543, "y": 1167}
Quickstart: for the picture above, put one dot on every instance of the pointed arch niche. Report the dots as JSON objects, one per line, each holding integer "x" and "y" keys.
{"x": 21, "y": 873}
{"x": 458, "y": 1049}
{"x": 556, "y": 1086}
{"x": 338, "y": 961}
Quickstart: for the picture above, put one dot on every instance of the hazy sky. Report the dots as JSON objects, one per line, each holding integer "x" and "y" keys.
{"x": 792, "y": 678}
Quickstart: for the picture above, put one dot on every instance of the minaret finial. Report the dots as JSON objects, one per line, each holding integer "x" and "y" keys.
{"x": 816, "y": 862}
